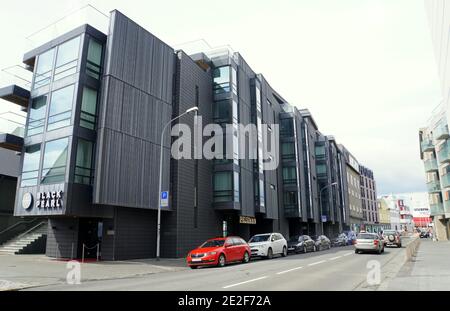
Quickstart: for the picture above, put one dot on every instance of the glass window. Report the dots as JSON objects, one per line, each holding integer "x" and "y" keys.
{"x": 94, "y": 59}
{"x": 223, "y": 187}
{"x": 67, "y": 58}
{"x": 30, "y": 167}
{"x": 44, "y": 67}
{"x": 321, "y": 169}
{"x": 289, "y": 175}
{"x": 37, "y": 115}
{"x": 60, "y": 108}
{"x": 55, "y": 160}
{"x": 88, "y": 108}
{"x": 290, "y": 198}
{"x": 320, "y": 150}
{"x": 286, "y": 127}
{"x": 288, "y": 150}
{"x": 222, "y": 110}
{"x": 221, "y": 77}
{"x": 83, "y": 166}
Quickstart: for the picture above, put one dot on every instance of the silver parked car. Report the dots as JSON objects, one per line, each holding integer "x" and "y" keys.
{"x": 369, "y": 242}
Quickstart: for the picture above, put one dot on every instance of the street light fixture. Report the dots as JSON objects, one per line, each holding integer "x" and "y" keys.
{"x": 158, "y": 230}
{"x": 320, "y": 200}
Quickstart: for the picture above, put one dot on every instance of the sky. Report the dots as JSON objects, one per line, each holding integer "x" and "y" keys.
{"x": 364, "y": 68}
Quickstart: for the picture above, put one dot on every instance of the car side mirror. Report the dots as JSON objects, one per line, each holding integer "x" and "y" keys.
{"x": 272, "y": 239}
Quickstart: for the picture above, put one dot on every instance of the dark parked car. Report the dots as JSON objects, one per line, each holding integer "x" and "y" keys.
{"x": 424, "y": 235}
{"x": 341, "y": 240}
{"x": 301, "y": 243}
{"x": 322, "y": 242}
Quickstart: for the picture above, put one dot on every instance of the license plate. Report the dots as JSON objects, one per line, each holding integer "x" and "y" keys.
{"x": 196, "y": 259}
{"x": 290, "y": 248}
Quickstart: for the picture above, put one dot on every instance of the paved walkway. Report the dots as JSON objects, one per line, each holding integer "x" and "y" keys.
{"x": 428, "y": 270}
{"x": 23, "y": 271}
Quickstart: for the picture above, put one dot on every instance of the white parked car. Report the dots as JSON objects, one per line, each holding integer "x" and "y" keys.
{"x": 267, "y": 245}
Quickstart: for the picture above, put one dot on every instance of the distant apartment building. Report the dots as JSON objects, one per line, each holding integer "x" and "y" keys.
{"x": 434, "y": 138}
{"x": 384, "y": 212}
{"x": 369, "y": 200}
{"x": 353, "y": 179}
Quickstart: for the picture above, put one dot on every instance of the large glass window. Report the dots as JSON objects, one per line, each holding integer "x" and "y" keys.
{"x": 321, "y": 169}
{"x": 88, "y": 108}
{"x": 320, "y": 151}
{"x": 289, "y": 175}
{"x": 30, "y": 167}
{"x": 288, "y": 150}
{"x": 36, "y": 118}
{"x": 221, "y": 77}
{"x": 290, "y": 198}
{"x": 55, "y": 161}
{"x": 286, "y": 127}
{"x": 67, "y": 58}
{"x": 60, "y": 108}
{"x": 236, "y": 186}
{"x": 223, "y": 187}
{"x": 94, "y": 59}
{"x": 44, "y": 67}
{"x": 83, "y": 166}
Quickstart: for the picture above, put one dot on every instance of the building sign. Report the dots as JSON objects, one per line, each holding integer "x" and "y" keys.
{"x": 247, "y": 220}
{"x": 27, "y": 200}
{"x": 51, "y": 199}
{"x": 164, "y": 198}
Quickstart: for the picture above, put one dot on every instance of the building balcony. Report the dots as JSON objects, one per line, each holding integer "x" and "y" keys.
{"x": 436, "y": 209}
{"x": 11, "y": 130}
{"x": 445, "y": 180}
{"x": 444, "y": 153}
{"x": 441, "y": 132}
{"x": 434, "y": 186}
{"x": 427, "y": 145}
{"x": 430, "y": 165}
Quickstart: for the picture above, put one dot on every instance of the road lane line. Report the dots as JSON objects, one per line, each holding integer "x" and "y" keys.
{"x": 334, "y": 258}
{"x": 253, "y": 280}
{"x": 285, "y": 271}
{"x": 348, "y": 254}
{"x": 316, "y": 263}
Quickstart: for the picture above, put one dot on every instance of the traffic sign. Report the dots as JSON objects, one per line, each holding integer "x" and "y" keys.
{"x": 164, "y": 198}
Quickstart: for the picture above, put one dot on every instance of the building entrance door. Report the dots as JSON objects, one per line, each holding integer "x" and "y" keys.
{"x": 90, "y": 231}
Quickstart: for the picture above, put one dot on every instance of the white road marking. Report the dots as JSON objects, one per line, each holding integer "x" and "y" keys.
{"x": 316, "y": 263}
{"x": 348, "y": 254}
{"x": 334, "y": 258}
{"x": 253, "y": 280}
{"x": 285, "y": 271}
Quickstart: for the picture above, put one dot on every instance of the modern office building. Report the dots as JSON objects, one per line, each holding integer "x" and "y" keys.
{"x": 352, "y": 169}
{"x": 369, "y": 200}
{"x": 97, "y": 107}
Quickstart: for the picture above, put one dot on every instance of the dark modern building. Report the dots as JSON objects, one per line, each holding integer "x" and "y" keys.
{"x": 90, "y": 153}
{"x": 369, "y": 200}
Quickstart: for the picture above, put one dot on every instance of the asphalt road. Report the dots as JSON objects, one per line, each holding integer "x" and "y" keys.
{"x": 335, "y": 269}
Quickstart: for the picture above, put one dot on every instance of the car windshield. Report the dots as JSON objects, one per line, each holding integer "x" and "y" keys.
{"x": 213, "y": 243}
{"x": 296, "y": 238}
{"x": 366, "y": 236}
{"x": 259, "y": 238}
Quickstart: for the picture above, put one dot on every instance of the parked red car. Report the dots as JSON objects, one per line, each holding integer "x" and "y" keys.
{"x": 218, "y": 252}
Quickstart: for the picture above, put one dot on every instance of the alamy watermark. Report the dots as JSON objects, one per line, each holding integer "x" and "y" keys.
{"x": 229, "y": 142}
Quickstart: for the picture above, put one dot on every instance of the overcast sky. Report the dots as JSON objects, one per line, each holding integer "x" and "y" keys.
{"x": 364, "y": 68}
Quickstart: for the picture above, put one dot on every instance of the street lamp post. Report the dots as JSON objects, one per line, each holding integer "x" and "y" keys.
{"x": 158, "y": 230}
{"x": 320, "y": 201}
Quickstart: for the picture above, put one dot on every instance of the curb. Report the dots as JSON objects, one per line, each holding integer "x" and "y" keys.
{"x": 394, "y": 265}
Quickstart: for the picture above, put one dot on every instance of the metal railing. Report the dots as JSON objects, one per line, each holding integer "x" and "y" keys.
{"x": 17, "y": 229}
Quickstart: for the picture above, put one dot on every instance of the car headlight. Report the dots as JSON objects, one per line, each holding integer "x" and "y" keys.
{"x": 211, "y": 253}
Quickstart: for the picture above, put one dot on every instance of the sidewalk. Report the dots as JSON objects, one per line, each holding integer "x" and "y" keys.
{"x": 22, "y": 271}
{"x": 428, "y": 270}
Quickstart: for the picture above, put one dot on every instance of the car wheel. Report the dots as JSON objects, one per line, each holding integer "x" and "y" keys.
{"x": 399, "y": 245}
{"x": 221, "y": 261}
{"x": 304, "y": 249}
{"x": 194, "y": 267}
{"x": 246, "y": 258}
{"x": 269, "y": 253}
{"x": 356, "y": 251}
{"x": 382, "y": 250}
{"x": 284, "y": 253}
